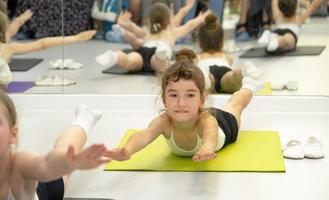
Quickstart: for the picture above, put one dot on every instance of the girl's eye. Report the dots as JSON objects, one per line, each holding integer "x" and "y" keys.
{"x": 172, "y": 95}
{"x": 190, "y": 95}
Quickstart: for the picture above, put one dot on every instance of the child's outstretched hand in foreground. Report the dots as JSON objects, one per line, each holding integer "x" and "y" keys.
{"x": 119, "y": 154}
{"x": 203, "y": 155}
{"x": 89, "y": 158}
{"x": 86, "y": 35}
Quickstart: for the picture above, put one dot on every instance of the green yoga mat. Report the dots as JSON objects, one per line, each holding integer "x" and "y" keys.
{"x": 254, "y": 151}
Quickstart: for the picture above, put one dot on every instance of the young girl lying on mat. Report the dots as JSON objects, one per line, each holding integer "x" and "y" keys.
{"x": 156, "y": 47}
{"x": 215, "y": 64}
{"x": 27, "y": 175}
{"x": 288, "y": 24}
{"x": 190, "y": 129}
{"x": 7, "y": 50}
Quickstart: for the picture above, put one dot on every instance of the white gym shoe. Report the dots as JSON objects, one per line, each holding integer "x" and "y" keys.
{"x": 293, "y": 150}
{"x": 313, "y": 148}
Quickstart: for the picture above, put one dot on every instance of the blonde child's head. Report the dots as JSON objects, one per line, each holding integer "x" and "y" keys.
{"x": 3, "y": 6}
{"x": 159, "y": 17}
{"x": 3, "y": 26}
{"x": 288, "y": 7}
{"x": 185, "y": 69}
{"x": 211, "y": 35}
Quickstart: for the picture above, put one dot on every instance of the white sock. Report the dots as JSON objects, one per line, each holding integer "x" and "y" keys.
{"x": 265, "y": 38}
{"x": 107, "y": 59}
{"x": 274, "y": 43}
{"x": 86, "y": 117}
{"x": 250, "y": 70}
{"x": 161, "y": 52}
{"x": 118, "y": 29}
{"x": 251, "y": 84}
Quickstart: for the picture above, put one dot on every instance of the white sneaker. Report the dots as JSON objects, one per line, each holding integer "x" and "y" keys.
{"x": 65, "y": 64}
{"x": 265, "y": 38}
{"x": 292, "y": 85}
{"x": 293, "y": 150}
{"x": 277, "y": 85}
{"x": 52, "y": 80}
{"x": 313, "y": 148}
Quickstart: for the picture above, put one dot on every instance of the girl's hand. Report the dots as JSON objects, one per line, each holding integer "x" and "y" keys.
{"x": 119, "y": 154}
{"x": 86, "y": 35}
{"x": 27, "y": 15}
{"x": 204, "y": 155}
{"x": 89, "y": 158}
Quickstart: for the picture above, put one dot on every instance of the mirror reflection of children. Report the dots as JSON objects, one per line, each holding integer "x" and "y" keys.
{"x": 9, "y": 49}
{"x": 216, "y": 64}
{"x": 28, "y": 175}
{"x": 156, "y": 48}
{"x": 288, "y": 23}
{"x": 190, "y": 129}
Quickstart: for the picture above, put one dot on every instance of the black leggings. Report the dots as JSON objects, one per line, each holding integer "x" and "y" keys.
{"x": 53, "y": 190}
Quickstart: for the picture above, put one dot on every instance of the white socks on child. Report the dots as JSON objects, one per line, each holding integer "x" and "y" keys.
{"x": 274, "y": 43}
{"x": 250, "y": 70}
{"x": 86, "y": 117}
{"x": 107, "y": 59}
{"x": 265, "y": 38}
{"x": 251, "y": 84}
{"x": 270, "y": 40}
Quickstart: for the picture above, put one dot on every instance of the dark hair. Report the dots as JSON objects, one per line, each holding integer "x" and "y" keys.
{"x": 159, "y": 17}
{"x": 288, "y": 7}
{"x": 183, "y": 68}
{"x": 211, "y": 35}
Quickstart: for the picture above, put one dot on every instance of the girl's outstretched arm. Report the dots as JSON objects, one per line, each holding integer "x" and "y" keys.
{"x": 138, "y": 141}
{"x": 58, "y": 163}
{"x": 192, "y": 24}
{"x": 44, "y": 43}
{"x": 210, "y": 140}
{"x": 178, "y": 18}
{"x": 276, "y": 12}
{"x": 17, "y": 23}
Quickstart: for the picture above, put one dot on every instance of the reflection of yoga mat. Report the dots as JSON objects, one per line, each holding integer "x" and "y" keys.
{"x": 118, "y": 70}
{"x": 300, "y": 51}
{"x": 19, "y": 86}
{"x": 254, "y": 151}
{"x": 266, "y": 90}
{"x": 23, "y": 64}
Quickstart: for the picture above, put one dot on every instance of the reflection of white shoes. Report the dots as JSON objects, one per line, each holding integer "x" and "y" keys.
{"x": 52, "y": 80}
{"x": 293, "y": 150}
{"x": 280, "y": 85}
{"x": 65, "y": 64}
{"x": 313, "y": 148}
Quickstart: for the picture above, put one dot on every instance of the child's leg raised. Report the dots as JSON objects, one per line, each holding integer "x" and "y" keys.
{"x": 240, "y": 99}
{"x": 132, "y": 61}
{"x": 76, "y": 134}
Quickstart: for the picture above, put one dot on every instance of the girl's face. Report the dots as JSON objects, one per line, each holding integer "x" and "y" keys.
{"x": 183, "y": 100}
{"x": 7, "y": 135}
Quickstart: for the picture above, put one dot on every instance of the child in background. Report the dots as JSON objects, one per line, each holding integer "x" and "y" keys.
{"x": 7, "y": 49}
{"x": 156, "y": 48}
{"x": 288, "y": 23}
{"x": 27, "y": 175}
{"x": 190, "y": 129}
{"x": 215, "y": 64}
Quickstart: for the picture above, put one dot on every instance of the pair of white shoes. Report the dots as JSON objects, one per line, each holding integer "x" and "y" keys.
{"x": 52, "y": 80}
{"x": 289, "y": 85}
{"x": 65, "y": 64}
{"x": 312, "y": 149}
